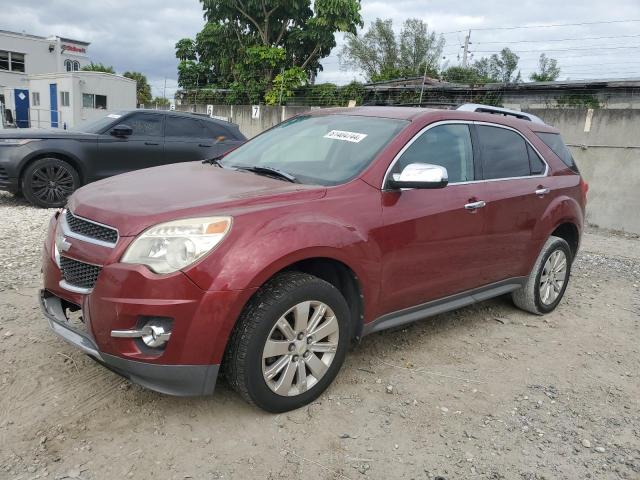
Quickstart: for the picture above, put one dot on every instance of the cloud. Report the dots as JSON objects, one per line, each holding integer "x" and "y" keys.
{"x": 141, "y": 35}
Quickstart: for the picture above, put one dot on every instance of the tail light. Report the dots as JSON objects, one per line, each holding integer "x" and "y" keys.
{"x": 584, "y": 188}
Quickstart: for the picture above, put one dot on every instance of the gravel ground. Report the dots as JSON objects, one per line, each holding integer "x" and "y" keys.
{"x": 484, "y": 392}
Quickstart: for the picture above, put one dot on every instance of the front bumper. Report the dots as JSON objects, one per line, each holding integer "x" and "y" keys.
{"x": 183, "y": 380}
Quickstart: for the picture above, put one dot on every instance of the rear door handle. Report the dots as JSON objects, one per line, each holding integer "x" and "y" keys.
{"x": 204, "y": 145}
{"x": 475, "y": 205}
{"x": 542, "y": 191}
{"x": 151, "y": 143}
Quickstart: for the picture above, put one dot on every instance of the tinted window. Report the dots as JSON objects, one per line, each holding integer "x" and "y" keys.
{"x": 555, "y": 143}
{"x": 215, "y": 131}
{"x": 185, "y": 127}
{"x": 145, "y": 125}
{"x": 504, "y": 153}
{"x": 535, "y": 162}
{"x": 446, "y": 145}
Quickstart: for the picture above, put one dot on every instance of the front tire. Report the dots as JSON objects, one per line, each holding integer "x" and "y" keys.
{"x": 548, "y": 279}
{"x": 289, "y": 343}
{"x": 48, "y": 182}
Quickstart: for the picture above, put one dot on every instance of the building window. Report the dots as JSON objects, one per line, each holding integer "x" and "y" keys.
{"x": 11, "y": 61}
{"x": 89, "y": 100}
{"x": 76, "y": 66}
{"x": 4, "y": 60}
{"x": 68, "y": 65}
{"x": 35, "y": 99}
{"x": 64, "y": 99}
{"x": 17, "y": 62}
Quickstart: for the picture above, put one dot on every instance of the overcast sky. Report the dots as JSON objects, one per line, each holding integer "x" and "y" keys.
{"x": 140, "y": 35}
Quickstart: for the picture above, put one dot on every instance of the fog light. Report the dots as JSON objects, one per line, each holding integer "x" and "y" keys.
{"x": 155, "y": 333}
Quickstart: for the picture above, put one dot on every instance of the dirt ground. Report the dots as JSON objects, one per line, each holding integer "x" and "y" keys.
{"x": 484, "y": 392}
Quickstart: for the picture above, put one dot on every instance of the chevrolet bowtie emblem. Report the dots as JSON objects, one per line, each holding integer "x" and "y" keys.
{"x": 63, "y": 245}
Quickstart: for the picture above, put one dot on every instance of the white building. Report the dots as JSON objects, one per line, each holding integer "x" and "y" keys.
{"x": 42, "y": 85}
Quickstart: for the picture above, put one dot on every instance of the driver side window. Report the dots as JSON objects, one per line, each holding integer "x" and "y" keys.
{"x": 446, "y": 145}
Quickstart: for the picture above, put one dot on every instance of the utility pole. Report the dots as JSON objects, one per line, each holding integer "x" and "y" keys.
{"x": 164, "y": 90}
{"x": 281, "y": 85}
{"x": 424, "y": 79}
{"x": 465, "y": 53}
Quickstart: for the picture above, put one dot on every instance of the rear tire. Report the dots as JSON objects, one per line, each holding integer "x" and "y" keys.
{"x": 548, "y": 279}
{"x": 289, "y": 343}
{"x": 48, "y": 182}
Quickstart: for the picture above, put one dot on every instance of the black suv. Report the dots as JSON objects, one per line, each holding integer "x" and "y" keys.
{"x": 48, "y": 165}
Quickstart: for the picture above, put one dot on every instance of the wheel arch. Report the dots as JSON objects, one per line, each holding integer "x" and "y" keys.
{"x": 64, "y": 156}
{"x": 329, "y": 267}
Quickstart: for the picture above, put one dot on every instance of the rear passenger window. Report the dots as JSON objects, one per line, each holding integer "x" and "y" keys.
{"x": 216, "y": 131}
{"x": 504, "y": 153}
{"x": 185, "y": 127}
{"x": 555, "y": 143}
{"x": 535, "y": 162}
{"x": 446, "y": 145}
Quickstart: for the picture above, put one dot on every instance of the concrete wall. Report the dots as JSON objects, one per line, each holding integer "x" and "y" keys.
{"x": 606, "y": 148}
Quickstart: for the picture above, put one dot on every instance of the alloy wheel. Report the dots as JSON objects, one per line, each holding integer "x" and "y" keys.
{"x": 300, "y": 348}
{"x": 553, "y": 277}
{"x": 52, "y": 183}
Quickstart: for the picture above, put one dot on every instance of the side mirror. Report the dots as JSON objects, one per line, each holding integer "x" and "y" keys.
{"x": 121, "y": 130}
{"x": 220, "y": 138}
{"x": 419, "y": 175}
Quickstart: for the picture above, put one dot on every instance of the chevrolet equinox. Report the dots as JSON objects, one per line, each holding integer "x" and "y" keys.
{"x": 264, "y": 264}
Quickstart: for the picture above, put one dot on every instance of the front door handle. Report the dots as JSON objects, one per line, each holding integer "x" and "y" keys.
{"x": 204, "y": 145}
{"x": 541, "y": 192}
{"x": 151, "y": 143}
{"x": 475, "y": 205}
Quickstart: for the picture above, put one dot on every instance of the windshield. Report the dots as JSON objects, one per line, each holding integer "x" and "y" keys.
{"x": 324, "y": 150}
{"x": 97, "y": 125}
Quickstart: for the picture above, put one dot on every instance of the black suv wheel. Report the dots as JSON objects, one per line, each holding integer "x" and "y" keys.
{"x": 48, "y": 182}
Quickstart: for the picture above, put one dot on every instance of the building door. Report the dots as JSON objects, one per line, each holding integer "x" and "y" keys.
{"x": 22, "y": 108}
{"x": 53, "y": 101}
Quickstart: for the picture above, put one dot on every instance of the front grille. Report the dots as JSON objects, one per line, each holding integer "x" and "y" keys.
{"x": 79, "y": 274}
{"x": 4, "y": 176}
{"x": 92, "y": 230}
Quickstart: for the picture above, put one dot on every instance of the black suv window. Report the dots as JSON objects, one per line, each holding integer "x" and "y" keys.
{"x": 145, "y": 124}
{"x": 185, "y": 127}
{"x": 216, "y": 131}
{"x": 555, "y": 143}
{"x": 504, "y": 153}
{"x": 446, "y": 145}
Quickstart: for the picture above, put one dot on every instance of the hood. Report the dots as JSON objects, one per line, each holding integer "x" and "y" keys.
{"x": 42, "y": 133}
{"x": 135, "y": 201}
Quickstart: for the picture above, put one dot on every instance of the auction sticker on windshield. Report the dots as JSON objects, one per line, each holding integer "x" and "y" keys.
{"x": 346, "y": 136}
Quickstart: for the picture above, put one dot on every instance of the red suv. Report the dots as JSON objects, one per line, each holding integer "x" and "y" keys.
{"x": 335, "y": 224}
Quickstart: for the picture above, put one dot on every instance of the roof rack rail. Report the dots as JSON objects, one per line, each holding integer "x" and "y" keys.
{"x": 477, "y": 107}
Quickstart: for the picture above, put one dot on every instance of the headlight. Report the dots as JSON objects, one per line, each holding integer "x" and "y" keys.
{"x": 14, "y": 142}
{"x": 169, "y": 247}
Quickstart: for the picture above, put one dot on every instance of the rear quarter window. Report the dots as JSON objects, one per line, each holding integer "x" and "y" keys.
{"x": 556, "y": 144}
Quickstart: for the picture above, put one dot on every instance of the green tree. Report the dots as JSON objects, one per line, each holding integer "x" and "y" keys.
{"x": 382, "y": 55}
{"x": 143, "y": 90}
{"x": 467, "y": 75}
{"x": 499, "y": 67}
{"x": 160, "y": 102}
{"x": 246, "y": 43}
{"x": 98, "y": 67}
{"x": 548, "y": 70}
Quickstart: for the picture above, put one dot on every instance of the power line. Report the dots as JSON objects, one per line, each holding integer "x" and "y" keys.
{"x": 559, "y": 40}
{"x": 543, "y": 26}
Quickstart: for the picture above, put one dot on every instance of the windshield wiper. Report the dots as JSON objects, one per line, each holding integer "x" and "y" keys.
{"x": 214, "y": 160}
{"x": 270, "y": 171}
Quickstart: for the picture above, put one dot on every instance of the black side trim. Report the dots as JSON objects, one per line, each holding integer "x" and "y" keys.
{"x": 435, "y": 307}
